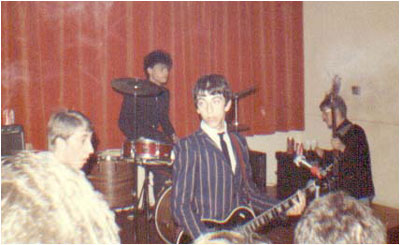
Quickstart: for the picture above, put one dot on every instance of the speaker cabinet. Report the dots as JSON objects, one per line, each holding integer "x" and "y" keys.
{"x": 258, "y": 162}
{"x": 290, "y": 177}
{"x": 12, "y": 139}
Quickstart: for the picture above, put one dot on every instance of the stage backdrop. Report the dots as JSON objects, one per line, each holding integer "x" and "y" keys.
{"x": 65, "y": 55}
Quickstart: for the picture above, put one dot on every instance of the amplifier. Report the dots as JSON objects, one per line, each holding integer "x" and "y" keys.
{"x": 258, "y": 162}
{"x": 12, "y": 139}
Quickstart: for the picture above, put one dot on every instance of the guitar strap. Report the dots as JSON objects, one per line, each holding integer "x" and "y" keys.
{"x": 336, "y": 158}
{"x": 344, "y": 129}
{"x": 235, "y": 142}
{"x": 341, "y": 132}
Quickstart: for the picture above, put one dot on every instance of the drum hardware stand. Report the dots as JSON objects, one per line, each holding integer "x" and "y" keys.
{"x": 235, "y": 125}
{"x": 145, "y": 195}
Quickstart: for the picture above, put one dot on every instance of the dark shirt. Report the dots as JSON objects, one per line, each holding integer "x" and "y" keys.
{"x": 151, "y": 112}
{"x": 354, "y": 165}
{"x": 204, "y": 186}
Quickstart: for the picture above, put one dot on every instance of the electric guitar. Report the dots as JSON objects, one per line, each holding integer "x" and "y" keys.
{"x": 243, "y": 219}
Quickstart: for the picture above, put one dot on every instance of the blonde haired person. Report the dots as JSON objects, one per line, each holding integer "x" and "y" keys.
{"x": 46, "y": 198}
{"x": 231, "y": 237}
{"x": 339, "y": 218}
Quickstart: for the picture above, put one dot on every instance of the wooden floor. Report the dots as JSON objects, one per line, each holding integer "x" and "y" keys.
{"x": 133, "y": 227}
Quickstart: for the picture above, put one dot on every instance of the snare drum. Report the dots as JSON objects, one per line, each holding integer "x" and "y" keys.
{"x": 149, "y": 149}
{"x": 114, "y": 177}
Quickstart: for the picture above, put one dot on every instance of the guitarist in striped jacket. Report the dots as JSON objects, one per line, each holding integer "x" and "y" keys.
{"x": 211, "y": 172}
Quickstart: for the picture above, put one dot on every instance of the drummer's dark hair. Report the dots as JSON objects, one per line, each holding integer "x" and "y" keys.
{"x": 213, "y": 84}
{"x": 157, "y": 57}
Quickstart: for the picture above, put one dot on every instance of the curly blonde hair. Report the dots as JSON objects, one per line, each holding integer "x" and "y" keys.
{"x": 45, "y": 201}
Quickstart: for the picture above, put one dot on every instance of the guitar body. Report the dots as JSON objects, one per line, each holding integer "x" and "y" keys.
{"x": 241, "y": 219}
{"x": 169, "y": 232}
{"x": 239, "y": 216}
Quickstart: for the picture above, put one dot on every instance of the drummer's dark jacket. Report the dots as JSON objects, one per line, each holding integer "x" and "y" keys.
{"x": 204, "y": 186}
{"x": 354, "y": 166}
{"x": 151, "y": 112}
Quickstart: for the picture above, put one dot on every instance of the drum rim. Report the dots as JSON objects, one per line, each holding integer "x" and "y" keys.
{"x": 108, "y": 154}
{"x": 143, "y": 139}
{"x": 156, "y": 221}
{"x": 147, "y": 140}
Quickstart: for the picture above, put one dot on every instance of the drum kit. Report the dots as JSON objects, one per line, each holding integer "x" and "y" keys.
{"x": 115, "y": 171}
{"x": 115, "y": 175}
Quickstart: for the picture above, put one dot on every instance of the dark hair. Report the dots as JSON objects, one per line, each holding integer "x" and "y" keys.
{"x": 338, "y": 103}
{"x": 339, "y": 218}
{"x": 157, "y": 57}
{"x": 213, "y": 84}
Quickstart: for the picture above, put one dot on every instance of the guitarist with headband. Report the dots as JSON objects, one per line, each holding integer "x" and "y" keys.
{"x": 351, "y": 171}
{"x": 211, "y": 172}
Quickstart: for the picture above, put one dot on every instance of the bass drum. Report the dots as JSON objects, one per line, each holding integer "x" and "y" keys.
{"x": 113, "y": 177}
{"x": 168, "y": 231}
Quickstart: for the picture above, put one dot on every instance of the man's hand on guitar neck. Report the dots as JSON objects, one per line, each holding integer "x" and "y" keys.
{"x": 298, "y": 205}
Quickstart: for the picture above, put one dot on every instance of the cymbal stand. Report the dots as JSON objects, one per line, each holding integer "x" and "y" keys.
{"x": 235, "y": 101}
{"x": 136, "y": 115}
{"x": 145, "y": 195}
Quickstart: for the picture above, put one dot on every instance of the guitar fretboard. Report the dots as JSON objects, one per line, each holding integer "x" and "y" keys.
{"x": 273, "y": 213}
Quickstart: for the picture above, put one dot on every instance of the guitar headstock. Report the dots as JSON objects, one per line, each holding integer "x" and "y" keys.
{"x": 336, "y": 82}
{"x": 335, "y": 88}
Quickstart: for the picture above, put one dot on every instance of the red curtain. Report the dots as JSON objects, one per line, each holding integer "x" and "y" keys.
{"x": 65, "y": 55}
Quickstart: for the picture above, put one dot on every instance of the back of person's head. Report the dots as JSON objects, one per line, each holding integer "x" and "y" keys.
{"x": 231, "y": 237}
{"x": 212, "y": 84}
{"x": 157, "y": 57}
{"x": 44, "y": 201}
{"x": 221, "y": 237}
{"x": 63, "y": 124}
{"x": 339, "y": 218}
{"x": 337, "y": 103}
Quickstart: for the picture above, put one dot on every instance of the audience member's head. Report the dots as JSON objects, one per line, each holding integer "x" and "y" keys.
{"x": 46, "y": 201}
{"x": 339, "y": 218}
{"x": 231, "y": 237}
{"x": 69, "y": 135}
{"x": 221, "y": 237}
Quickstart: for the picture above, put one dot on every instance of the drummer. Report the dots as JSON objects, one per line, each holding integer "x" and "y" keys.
{"x": 151, "y": 118}
{"x": 152, "y": 111}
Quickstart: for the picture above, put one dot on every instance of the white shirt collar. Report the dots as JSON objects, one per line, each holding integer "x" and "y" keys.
{"x": 213, "y": 134}
{"x": 211, "y": 131}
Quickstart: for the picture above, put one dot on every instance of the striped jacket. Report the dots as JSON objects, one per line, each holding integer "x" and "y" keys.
{"x": 204, "y": 186}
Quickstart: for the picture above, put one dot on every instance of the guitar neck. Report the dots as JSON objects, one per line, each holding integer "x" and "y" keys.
{"x": 271, "y": 214}
{"x": 333, "y": 115}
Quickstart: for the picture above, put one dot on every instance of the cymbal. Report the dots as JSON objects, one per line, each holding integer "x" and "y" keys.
{"x": 238, "y": 127}
{"x": 135, "y": 86}
{"x": 244, "y": 93}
